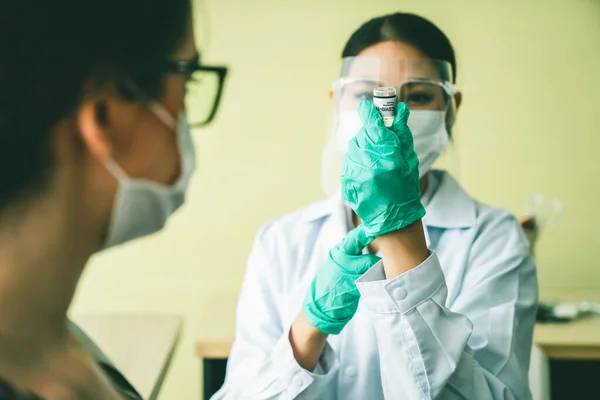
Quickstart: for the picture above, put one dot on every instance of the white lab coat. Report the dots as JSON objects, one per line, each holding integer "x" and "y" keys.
{"x": 458, "y": 326}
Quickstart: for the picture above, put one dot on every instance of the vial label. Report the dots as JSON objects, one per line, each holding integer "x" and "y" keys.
{"x": 387, "y": 109}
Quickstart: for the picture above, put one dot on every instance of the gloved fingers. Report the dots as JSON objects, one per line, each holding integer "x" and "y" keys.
{"x": 355, "y": 241}
{"x": 331, "y": 304}
{"x": 352, "y": 267}
{"x": 348, "y": 190}
{"x": 366, "y": 263}
{"x": 402, "y": 114}
{"x": 361, "y": 157}
{"x": 370, "y": 117}
{"x": 327, "y": 317}
{"x": 409, "y": 155}
{"x": 361, "y": 140}
{"x": 372, "y": 122}
{"x": 400, "y": 124}
{"x": 401, "y": 129}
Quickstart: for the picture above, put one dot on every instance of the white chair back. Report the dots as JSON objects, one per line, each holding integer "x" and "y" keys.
{"x": 539, "y": 374}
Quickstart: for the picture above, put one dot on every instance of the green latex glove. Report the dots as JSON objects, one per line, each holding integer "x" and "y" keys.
{"x": 332, "y": 299}
{"x": 380, "y": 178}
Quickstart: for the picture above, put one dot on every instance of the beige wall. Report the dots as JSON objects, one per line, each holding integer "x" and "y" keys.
{"x": 530, "y": 73}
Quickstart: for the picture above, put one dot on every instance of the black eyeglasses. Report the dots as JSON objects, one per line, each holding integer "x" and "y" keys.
{"x": 203, "y": 90}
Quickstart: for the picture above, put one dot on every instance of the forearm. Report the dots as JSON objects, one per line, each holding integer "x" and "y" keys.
{"x": 403, "y": 250}
{"x": 307, "y": 342}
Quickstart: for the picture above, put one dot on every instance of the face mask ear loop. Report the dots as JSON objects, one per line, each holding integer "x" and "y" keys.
{"x": 157, "y": 109}
{"x": 166, "y": 118}
{"x": 114, "y": 169}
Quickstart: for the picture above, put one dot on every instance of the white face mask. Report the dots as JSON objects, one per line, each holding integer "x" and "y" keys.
{"x": 349, "y": 123}
{"x": 430, "y": 138}
{"x": 142, "y": 207}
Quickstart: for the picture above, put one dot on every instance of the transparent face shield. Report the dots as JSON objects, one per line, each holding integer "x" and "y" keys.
{"x": 425, "y": 85}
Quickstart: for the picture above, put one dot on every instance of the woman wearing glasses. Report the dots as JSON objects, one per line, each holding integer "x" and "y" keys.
{"x": 446, "y": 312}
{"x": 95, "y": 151}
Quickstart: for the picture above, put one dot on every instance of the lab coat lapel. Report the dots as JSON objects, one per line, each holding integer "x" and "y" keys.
{"x": 335, "y": 227}
{"x": 450, "y": 207}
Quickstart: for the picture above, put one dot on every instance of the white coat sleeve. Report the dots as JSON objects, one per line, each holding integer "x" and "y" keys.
{"x": 261, "y": 364}
{"x": 478, "y": 346}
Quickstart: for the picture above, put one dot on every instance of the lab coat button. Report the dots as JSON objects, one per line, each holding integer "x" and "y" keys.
{"x": 351, "y": 372}
{"x": 399, "y": 294}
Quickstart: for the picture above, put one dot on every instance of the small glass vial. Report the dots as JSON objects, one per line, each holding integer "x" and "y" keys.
{"x": 385, "y": 100}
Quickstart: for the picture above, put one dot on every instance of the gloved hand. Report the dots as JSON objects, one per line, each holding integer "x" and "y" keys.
{"x": 332, "y": 299}
{"x": 380, "y": 178}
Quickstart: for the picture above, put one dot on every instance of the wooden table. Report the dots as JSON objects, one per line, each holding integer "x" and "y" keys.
{"x": 213, "y": 349}
{"x": 140, "y": 346}
{"x": 577, "y": 340}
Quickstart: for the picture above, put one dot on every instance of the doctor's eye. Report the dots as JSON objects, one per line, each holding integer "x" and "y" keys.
{"x": 419, "y": 99}
{"x": 364, "y": 96}
{"x": 419, "y": 95}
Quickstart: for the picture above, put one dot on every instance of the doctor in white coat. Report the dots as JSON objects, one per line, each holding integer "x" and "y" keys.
{"x": 443, "y": 305}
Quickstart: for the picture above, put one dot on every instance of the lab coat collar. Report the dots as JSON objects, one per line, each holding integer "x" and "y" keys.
{"x": 450, "y": 206}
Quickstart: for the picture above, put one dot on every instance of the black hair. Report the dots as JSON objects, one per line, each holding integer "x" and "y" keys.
{"x": 50, "y": 52}
{"x": 407, "y": 28}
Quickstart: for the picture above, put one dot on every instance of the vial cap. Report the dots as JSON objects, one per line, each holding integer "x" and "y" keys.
{"x": 384, "y": 92}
